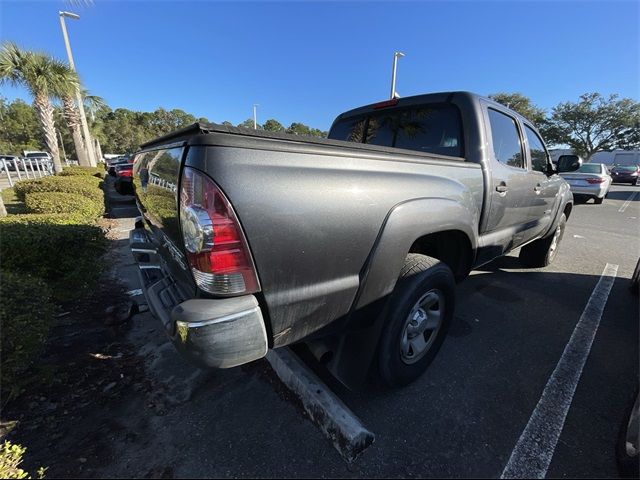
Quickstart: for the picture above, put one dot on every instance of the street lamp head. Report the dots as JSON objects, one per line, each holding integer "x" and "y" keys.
{"x": 399, "y": 54}
{"x": 70, "y": 15}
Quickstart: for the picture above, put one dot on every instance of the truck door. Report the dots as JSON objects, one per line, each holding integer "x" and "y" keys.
{"x": 509, "y": 220}
{"x": 544, "y": 201}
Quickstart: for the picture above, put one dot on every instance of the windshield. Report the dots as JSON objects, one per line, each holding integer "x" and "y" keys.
{"x": 36, "y": 154}
{"x": 590, "y": 168}
{"x": 426, "y": 128}
{"x": 626, "y": 168}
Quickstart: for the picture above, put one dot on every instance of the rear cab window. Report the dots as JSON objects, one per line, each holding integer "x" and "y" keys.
{"x": 435, "y": 128}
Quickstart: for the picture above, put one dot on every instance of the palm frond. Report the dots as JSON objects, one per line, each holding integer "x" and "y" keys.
{"x": 12, "y": 64}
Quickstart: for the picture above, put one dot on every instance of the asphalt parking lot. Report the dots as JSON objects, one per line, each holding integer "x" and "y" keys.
{"x": 463, "y": 418}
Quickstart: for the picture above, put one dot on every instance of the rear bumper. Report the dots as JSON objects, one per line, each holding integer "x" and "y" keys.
{"x": 593, "y": 191}
{"x": 218, "y": 333}
{"x": 624, "y": 178}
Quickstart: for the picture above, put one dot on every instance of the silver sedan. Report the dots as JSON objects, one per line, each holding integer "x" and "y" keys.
{"x": 591, "y": 180}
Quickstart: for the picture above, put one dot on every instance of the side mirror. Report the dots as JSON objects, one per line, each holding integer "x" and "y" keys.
{"x": 551, "y": 169}
{"x": 569, "y": 163}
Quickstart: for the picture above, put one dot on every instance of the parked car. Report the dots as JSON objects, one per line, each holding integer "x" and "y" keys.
{"x": 251, "y": 240}
{"x": 124, "y": 177}
{"x": 9, "y": 161}
{"x": 44, "y": 160}
{"x": 625, "y": 174}
{"x": 617, "y": 157}
{"x": 591, "y": 180}
{"x": 112, "y": 164}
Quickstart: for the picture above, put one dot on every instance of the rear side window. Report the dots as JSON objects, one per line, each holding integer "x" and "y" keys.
{"x": 507, "y": 146}
{"x": 430, "y": 129}
{"x": 537, "y": 151}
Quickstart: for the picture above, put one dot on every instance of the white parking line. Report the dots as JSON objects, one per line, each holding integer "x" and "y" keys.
{"x": 626, "y": 204}
{"x": 532, "y": 454}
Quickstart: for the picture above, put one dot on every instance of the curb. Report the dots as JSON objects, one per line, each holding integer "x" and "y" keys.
{"x": 327, "y": 411}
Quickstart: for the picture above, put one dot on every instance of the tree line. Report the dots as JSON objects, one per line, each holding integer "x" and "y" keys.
{"x": 118, "y": 131}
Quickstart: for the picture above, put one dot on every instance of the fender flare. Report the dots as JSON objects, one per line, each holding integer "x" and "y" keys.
{"x": 406, "y": 223}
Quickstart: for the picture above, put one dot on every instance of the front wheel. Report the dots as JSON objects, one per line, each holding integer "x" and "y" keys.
{"x": 420, "y": 312}
{"x": 542, "y": 252}
{"x": 598, "y": 201}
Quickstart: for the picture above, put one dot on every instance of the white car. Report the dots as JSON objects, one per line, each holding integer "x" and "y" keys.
{"x": 591, "y": 180}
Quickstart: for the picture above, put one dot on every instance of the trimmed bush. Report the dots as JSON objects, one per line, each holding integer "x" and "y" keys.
{"x": 46, "y": 218}
{"x": 11, "y": 202}
{"x": 83, "y": 171}
{"x": 25, "y": 316}
{"x": 58, "y": 202}
{"x": 55, "y": 247}
{"x": 85, "y": 185}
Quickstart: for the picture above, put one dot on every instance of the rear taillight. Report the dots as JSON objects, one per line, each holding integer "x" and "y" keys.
{"x": 126, "y": 173}
{"x": 216, "y": 248}
{"x": 595, "y": 180}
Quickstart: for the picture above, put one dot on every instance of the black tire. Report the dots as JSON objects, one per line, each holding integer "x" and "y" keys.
{"x": 635, "y": 279}
{"x": 627, "y": 465}
{"x": 542, "y": 252}
{"x": 598, "y": 201}
{"x": 420, "y": 276}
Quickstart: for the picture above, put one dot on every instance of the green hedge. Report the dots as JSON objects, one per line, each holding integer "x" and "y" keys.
{"x": 25, "y": 317}
{"x": 58, "y": 248}
{"x": 45, "y": 219}
{"x": 58, "y": 202}
{"x": 87, "y": 186}
{"x": 83, "y": 171}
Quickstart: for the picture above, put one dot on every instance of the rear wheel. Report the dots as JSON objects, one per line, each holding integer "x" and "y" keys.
{"x": 635, "y": 279}
{"x": 420, "y": 312}
{"x": 542, "y": 252}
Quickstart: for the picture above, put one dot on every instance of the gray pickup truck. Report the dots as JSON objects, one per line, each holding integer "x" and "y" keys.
{"x": 349, "y": 246}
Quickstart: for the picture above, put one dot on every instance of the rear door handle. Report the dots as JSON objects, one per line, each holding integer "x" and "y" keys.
{"x": 502, "y": 189}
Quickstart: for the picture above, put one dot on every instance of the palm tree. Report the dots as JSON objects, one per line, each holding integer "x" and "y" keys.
{"x": 44, "y": 77}
{"x": 93, "y": 104}
{"x": 72, "y": 118}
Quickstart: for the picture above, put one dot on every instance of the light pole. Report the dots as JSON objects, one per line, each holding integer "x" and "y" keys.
{"x": 83, "y": 118}
{"x": 396, "y": 55}
{"x": 255, "y": 116}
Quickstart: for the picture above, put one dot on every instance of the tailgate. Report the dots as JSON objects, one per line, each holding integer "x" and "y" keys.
{"x": 156, "y": 176}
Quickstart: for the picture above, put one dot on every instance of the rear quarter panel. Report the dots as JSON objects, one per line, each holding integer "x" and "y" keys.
{"x": 312, "y": 217}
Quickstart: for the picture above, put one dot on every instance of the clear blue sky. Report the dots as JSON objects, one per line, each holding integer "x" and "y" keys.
{"x": 308, "y": 61}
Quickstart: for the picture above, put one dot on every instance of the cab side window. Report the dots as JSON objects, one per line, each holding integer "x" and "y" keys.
{"x": 507, "y": 146}
{"x": 539, "y": 157}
